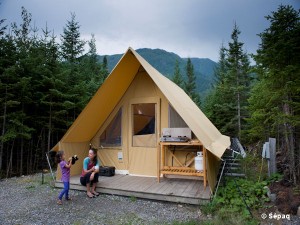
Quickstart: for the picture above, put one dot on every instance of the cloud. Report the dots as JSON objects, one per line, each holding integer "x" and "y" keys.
{"x": 189, "y": 28}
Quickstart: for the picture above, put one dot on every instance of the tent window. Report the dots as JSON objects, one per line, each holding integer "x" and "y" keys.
{"x": 111, "y": 136}
{"x": 144, "y": 125}
{"x": 175, "y": 120}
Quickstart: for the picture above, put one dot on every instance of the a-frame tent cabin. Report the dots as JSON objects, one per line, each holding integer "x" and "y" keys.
{"x": 125, "y": 118}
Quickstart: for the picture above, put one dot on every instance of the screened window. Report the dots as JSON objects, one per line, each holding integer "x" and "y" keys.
{"x": 111, "y": 136}
{"x": 144, "y": 124}
{"x": 175, "y": 120}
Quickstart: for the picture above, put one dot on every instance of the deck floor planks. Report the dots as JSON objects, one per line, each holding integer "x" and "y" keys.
{"x": 130, "y": 183}
{"x": 193, "y": 185}
{"x": 202, "y": 192}
{"x": 158, "y": 187}
{"x": 169, "y": 189}
{"x": 154, "y": 187}
{"x": 179, "y": 186}
{"x": 193, "y": 191}
{"x": 111, "y": 182}
{"x": 145, "y": 183}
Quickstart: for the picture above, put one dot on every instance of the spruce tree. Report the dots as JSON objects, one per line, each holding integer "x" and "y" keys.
{"x": 19, "y": 127}
{"x": 215, "y": 105}
{"x": 91, "y": 70}
{"x": 177, "y": 77}
{"x": 190, "y": 83}
{"x": 239, "y": 81}
{"x": 105, "y": 72}
{"x": 7, "y": 60}
{"x": 275, "y": 101}
{"x": 72, "y": 47}
{"x": 227, "y": 103}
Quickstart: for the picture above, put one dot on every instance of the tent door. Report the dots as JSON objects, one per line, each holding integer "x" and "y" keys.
{"x": 143, "y": 136}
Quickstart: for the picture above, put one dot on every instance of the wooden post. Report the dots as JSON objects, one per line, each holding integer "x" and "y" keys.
{"x": 158, "y": 162}
{"x": 272, "y": 147}
{"x": 204, "y": 167}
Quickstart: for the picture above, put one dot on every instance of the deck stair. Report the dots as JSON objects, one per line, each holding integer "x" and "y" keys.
{"x": 231, "y": 160}
{"x": 232, "y": 167}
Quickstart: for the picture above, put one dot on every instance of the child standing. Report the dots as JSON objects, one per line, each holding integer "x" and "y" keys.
{"x": 65, "y": 176}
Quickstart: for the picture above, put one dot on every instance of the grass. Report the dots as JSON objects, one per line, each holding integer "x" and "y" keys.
{"x": 227, "y": 215}
{"x": 133, "y": 198}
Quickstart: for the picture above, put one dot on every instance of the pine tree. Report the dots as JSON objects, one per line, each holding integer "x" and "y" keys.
{"x": 239, "y": 79}
{"x": 52, "y": 90}
{"x": 275, "y": 101}
{"x": 177, "y": 77}
{"x": 91, "y": 70}
{"x": 19, "y": 128}
{"x": 105, "y": 72}
{"x": 7, "y": 60}
{"x": 72, "y": 46}
{"x": 227, "y": 104}
{"x": 215, "y": 104}
{"x": 190, "y": 83}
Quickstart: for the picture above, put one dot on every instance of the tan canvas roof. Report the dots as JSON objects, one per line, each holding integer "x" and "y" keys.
{"x": 108, "y": 95}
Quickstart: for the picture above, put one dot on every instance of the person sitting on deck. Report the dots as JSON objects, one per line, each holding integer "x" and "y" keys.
{"x": 90, "y": 173}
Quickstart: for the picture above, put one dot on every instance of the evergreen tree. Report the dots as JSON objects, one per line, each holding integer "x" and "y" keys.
{"x": 222, "y": 68}
{"x": 275, "y": 101}
{"x": 2, "y": 28}
{"x": 190, "y": 83}
{"x": 239, "y": 80}
{"x": 52, "y": 90}
{"x": 215, "y": 104}
{"x": 91, "y": 70}
{"x": 7, "y": 60}
{"x": 72, "y": 46}
{"x": 177, "y": 77}
{"x": 19, "y": 127}
{"x": 105, "y": 72}
{"x": 226, "y": 105}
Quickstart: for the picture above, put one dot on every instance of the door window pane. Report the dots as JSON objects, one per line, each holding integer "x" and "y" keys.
{"x": 144, "y": 125}
{"x": 111, "y": 136}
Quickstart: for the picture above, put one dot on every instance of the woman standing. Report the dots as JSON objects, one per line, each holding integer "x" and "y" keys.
{"x": 90, "y": 173}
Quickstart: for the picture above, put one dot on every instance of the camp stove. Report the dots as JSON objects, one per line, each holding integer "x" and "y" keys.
{"x": 176, "y": 135}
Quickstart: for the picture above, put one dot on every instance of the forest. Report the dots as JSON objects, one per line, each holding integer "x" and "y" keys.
{"x": 45, "y": 84}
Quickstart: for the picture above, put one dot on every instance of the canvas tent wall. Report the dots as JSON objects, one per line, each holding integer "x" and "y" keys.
{"x": 135, "y": 89}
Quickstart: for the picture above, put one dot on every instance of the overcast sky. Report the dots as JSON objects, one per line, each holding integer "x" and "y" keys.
{"x": 189, "y": 28}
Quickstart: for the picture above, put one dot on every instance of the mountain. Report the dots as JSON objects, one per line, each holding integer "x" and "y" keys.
{"x": 164, "y": 62}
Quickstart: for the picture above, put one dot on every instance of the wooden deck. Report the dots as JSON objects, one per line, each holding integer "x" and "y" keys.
{"x": 169, "y": 189}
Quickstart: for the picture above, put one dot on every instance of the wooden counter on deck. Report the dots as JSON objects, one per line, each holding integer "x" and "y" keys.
{"x": 183, "y": 169}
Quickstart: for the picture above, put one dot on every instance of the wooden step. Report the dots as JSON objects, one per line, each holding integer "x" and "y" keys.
{"x": 233, "y": 164}
{"x": 231, "y": 160}
{"x": 235, "y": 174}
{"x": 231, "y": 168}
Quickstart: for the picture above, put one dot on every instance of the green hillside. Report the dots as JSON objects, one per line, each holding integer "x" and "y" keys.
{"x": 164, "y": 62}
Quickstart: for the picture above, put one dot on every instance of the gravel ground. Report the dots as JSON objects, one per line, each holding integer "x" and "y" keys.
{"x": 25, "y": 200}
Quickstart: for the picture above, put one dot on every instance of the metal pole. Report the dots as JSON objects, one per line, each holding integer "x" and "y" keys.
{"x": 220, "y": 178}
{"x": 50, "y": 167}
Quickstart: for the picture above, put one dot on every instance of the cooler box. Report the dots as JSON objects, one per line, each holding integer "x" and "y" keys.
{"x": 107, "y": 171}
